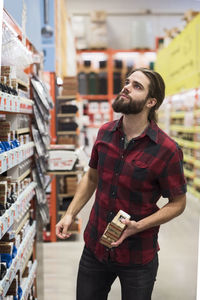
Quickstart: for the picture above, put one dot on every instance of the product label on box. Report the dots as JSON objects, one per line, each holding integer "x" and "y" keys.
{"x": 61, "y": 160}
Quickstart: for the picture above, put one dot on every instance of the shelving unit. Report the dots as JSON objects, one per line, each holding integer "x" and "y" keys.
{"x": 64, "y": 136}
{"x": 183, "y": 122}
{"x": 19, "y": 213}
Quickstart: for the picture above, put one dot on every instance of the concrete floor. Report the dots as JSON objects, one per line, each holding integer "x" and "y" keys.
{"x": 177, "y": 275}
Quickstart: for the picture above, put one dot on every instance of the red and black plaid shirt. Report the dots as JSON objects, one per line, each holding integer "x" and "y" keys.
{"x": 132, "y": 179}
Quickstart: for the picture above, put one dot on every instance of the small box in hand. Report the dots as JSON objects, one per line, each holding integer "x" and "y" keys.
{"x": 114, "y": 229}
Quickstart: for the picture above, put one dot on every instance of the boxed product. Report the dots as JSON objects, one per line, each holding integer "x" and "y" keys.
{"x": 71, "y": 140}
{"x": 71, "y": 184}
{"x": 98, "y": 29}
{"x": 70, "y": 86}
{"x": 114, "y": 229}
{"x": 62, "y": 158}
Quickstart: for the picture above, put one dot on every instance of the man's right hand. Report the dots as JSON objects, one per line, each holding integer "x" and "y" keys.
{"x": 63, "y": 226}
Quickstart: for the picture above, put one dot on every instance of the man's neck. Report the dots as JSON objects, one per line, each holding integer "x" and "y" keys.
{"x": 134, "y": 125}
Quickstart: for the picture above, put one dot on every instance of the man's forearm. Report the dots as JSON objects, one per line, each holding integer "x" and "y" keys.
{"x": 171, "y": 210}
{"x": 165, "y": 214}
{"x": 83, "y": 194}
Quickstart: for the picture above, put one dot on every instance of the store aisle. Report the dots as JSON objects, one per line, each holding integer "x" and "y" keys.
{"x": 178, "y": 261}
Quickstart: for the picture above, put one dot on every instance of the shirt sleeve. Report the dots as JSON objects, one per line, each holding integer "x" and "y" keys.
{"x": 172, "y": 180}
{"x": 93, "y": 162}
{"x": 94, "y": 157}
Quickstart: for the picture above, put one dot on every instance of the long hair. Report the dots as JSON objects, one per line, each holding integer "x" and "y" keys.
{"x": 156, "y": 90}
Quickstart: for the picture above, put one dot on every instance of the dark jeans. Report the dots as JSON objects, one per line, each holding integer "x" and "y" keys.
{"x": 96, "y": 278}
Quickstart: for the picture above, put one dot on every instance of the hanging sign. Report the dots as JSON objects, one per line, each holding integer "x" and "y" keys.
{"x": 179, "y": 63}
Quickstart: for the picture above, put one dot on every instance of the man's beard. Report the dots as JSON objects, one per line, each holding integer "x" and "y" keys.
{"x": 127, "y": 107}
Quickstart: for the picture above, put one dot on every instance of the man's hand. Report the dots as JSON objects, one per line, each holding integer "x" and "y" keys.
{"x": 131, "y": 229}
{"x": 63, "y": 226}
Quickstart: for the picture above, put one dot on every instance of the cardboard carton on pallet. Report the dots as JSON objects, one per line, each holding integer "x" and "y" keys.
{"x": 114, "y": 229}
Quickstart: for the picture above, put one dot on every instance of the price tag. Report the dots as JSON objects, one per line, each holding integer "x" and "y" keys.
{"x": 5, "y": 104}
{"x": 2, "y": 227}
{"x": 12, "y": 104}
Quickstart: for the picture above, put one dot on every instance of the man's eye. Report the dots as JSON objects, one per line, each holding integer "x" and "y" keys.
{"x": 137, "y": 86}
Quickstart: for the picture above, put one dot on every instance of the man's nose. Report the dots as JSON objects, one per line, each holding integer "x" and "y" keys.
{"x": 125, "y": 90}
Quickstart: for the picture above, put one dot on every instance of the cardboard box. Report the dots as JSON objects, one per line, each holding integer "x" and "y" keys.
{"x": 61, "y": 159}
{"x": 71, "y": 184}
{"x": 114, "y": 229}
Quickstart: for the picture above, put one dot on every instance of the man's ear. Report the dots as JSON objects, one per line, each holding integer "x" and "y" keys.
{"x": 151, "y": 102}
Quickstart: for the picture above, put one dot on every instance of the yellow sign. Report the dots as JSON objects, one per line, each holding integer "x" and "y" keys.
{"x": 179, "y": 63}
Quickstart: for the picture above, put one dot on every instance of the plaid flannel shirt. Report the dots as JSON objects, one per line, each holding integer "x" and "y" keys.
{"x": 132, "y": 179}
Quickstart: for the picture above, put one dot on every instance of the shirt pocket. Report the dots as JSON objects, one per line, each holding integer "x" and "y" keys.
{"x": 140, "y": 169}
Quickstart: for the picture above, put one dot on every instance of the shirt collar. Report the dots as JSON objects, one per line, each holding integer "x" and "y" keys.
{"x": 151, "y": 131}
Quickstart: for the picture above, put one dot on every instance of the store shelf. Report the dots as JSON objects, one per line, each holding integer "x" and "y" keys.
{"x": 189, "y": 159}
{"x": 22, "y": 130}
{"x": 16, "y": 263}
{"x": 29, "y": 282}
{"x": 12, "y": 158}
{"x": 66, "y": 132}
{"x": 22, "y": 83}
{"x": 70, "y": 97}
{"x": 94, "y": 97}
{"x": 188, "y": 144}
{"x": 23, "y": 221}
{"x": 65, "y": 115}
{"x": 192, "y": 191}
{"x": 24, "y": 175}
{"x": 27, "y": 257}
{"x": 17, "y": 209}
{"x": 197, "y": 182}
{"x": 64, "y": 172}
{"x": 177, "y": 115}
{"x": 197, "y": 163}
{"x": 179, "y": 128}
{"x": 189, "y": 174}
{"x": 15, "y": 104}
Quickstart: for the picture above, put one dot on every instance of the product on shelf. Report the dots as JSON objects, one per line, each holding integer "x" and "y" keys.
{"x": 62, "y": 157}
{"x": 68, "y": 108}
{"x": 179, "y": 114}
{"x": 70, "y": 86}
{"x": 98, "y": 30}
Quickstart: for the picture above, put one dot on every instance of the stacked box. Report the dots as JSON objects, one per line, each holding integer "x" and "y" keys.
{"x": 64, "y": 140}
{"x": 98, "y": 30}
{"x": 12, "y": 291}
{"x": 5, "y": 130}
{"x": 71, "y": 184}
{"x": 70, "y": 86}
{"x": 114, "y": 229}
{"x": 3, "y": 193}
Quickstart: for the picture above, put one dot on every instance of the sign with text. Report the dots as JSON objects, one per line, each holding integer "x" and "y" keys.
{"x": 179, "y": 63}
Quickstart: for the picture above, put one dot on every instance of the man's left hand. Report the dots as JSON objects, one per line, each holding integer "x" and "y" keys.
{"x": 131, "y": 229}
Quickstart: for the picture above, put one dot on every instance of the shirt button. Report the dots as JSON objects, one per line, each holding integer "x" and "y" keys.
{"x": 113, "y": 193}
{"x": 122, "y": 156}
{"x": 122, "y": 138}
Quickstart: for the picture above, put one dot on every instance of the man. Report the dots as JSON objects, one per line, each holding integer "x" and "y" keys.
{"x": 133, "y": 163}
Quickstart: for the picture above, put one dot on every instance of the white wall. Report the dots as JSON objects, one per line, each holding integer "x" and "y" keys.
{"x": 122, "y": 13}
